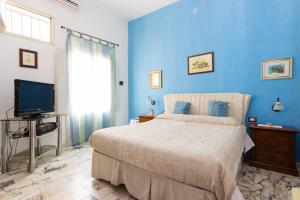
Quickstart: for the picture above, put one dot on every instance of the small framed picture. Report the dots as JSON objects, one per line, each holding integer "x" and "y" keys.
{"x": 154, "y": 79}
{"x": 201, "y": 63}
{"x": 28, "y": 58}
{"x": 277, "y": 69}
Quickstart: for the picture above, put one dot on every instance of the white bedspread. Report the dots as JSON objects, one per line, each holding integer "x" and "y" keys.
{"x": 195, "y": 150}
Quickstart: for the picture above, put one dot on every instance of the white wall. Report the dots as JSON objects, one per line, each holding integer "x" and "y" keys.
{"x": 52, "y": 67}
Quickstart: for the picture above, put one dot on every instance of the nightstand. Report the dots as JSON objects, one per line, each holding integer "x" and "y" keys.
{"x": 145, "y": 118}
{"x": 274, "y": 149}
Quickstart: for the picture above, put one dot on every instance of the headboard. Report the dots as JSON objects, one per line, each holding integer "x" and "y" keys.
{"x": 238, "y": 103}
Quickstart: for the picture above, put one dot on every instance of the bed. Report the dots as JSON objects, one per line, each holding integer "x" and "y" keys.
{"x": 177, "y": 156}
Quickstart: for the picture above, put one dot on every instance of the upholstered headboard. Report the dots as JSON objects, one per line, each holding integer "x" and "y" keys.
{"x": 238, "y": 103}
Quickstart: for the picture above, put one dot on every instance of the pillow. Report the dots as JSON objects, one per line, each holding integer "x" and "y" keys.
{"x": 182, "y": 107}
{"x": 217, "y": 108}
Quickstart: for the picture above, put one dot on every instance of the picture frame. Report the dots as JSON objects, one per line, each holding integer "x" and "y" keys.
{"x": 28, "y": 58}
{"x": 155, "y": 79}
{"x": 277, "y": 69}
{"x": 201, "y": 63}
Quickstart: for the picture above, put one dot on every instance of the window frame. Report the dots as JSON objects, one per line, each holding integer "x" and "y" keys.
{"x": 37, "y": 12}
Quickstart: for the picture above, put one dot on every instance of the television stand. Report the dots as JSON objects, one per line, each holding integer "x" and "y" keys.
{"x": 31, "y": 126}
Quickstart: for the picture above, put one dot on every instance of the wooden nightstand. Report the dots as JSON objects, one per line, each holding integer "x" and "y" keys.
{"x": 145, "y": 118}
{"x": 274, "y": 149}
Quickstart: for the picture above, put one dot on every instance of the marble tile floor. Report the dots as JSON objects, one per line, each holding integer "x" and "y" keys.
{"x": 67, "y": 177}
{"x": 260, "y": 184}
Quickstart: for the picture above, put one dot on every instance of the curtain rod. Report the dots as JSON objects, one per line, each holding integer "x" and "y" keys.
{"x": 91, "y": 36}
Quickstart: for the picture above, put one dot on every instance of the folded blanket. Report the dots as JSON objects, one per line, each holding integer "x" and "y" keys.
{"x": 230, "y": 121}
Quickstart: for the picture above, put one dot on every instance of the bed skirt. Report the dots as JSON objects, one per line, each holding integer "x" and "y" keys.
{"x": 145, "y": 185}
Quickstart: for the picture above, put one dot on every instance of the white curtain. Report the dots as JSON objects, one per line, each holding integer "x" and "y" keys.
{"x": 91, "y": 74}
{"x": 2, "y": 15}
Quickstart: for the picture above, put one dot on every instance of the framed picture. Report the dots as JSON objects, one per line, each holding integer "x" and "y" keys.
{"x": 277, "y": 69}
{"x": 154, "y": 79}
{"x": 28, "y": 58}
{"x": 201, "y": 63}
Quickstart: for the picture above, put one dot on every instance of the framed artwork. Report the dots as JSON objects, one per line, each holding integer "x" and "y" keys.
{"x": 28, "y": 58}
{"x": 277, "y": 69}
{"x": 201, "y": 63}
{"x": 154, "y": 79}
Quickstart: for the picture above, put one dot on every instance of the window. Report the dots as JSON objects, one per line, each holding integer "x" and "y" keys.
{"x": 25, "y": 22}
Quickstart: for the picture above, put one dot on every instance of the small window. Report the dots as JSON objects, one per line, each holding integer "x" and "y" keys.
{"x": 24, "y": 22}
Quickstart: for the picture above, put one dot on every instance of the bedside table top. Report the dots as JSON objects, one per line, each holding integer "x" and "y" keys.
{"x": 146, "y": 115}
{"x": 284, "y": 128}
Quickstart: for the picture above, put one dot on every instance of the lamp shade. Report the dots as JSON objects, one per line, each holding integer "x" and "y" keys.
{"x": 150, "y": 101}
{"x": 277, "y": 106}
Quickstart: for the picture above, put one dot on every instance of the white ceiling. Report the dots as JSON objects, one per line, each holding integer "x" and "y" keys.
{"x": 131, "y": 9}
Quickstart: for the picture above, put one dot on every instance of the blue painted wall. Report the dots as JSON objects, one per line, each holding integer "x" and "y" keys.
{"x": 242, "y": 34}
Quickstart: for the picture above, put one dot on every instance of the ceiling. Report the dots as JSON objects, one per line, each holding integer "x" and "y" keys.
{"x": 131, "y": 9}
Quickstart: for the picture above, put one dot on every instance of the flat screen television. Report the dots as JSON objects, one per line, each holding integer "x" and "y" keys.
{"x": 32, "y": 99}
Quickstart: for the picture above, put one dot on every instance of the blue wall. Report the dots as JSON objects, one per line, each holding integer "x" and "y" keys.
{"x": 242, "y": 34}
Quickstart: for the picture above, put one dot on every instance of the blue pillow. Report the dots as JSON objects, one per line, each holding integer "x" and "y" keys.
{"x": 217, "y": 108}
{"x": 182, "y": 107}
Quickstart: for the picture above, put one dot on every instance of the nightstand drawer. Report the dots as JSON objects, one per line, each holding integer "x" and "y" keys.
{"x": 272, "y": 138}
{"x": 272, "y": 158}
{"x": 276, "y": 147}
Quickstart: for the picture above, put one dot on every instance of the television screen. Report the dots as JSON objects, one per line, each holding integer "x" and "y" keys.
{"x": 33, "y": 98}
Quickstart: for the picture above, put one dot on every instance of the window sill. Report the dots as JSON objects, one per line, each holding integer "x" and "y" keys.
{"x": 27, "y": 38}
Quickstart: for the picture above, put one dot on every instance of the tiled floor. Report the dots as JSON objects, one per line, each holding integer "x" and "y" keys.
{"x": 261, "y": 184}
{"x": 68, "y": 177}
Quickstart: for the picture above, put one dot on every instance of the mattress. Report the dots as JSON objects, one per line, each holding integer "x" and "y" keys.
{"x": 200, "y": 151}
